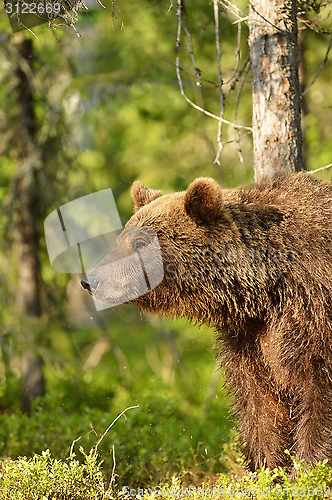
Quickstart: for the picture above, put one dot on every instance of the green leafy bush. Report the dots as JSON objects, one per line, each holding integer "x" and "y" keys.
{"x": 42, "y": 477}
{"x": 311, "y": 483}
{"x": 45, "y": 478}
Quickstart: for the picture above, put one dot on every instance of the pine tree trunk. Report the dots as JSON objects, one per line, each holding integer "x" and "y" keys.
{"x": 26, "y": 199}
{"x": 276, "y": 92}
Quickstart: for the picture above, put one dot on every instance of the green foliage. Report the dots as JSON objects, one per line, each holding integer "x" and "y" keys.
{"x": 44, "y": 478}
{"x": 152, "y": 442}
{"x": 314, "y": 483}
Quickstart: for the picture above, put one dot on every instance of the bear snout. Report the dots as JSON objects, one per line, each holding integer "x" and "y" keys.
{"x": 90, "y": 284}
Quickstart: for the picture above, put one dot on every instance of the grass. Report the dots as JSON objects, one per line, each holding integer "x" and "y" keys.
{"x": 45, "y": 478}
{"x": 155, "y": 441}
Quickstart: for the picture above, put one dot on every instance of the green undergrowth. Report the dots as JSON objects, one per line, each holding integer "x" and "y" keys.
{"x": 310, "y": 483}
{"x": 45, "y": 478}
{"x": 160, "y": 438}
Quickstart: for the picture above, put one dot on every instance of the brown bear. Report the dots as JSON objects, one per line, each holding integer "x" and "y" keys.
{"x": 254, "y": 263}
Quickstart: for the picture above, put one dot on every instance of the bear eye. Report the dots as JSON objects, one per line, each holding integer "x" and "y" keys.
{"x": 138, "y": 244}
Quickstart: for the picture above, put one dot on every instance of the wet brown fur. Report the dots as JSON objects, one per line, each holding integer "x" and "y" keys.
{"x": 254, "y": 263}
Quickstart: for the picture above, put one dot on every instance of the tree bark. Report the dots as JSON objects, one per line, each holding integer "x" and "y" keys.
{"x": 26, "y": 199}
{"x": 276, "y": 92}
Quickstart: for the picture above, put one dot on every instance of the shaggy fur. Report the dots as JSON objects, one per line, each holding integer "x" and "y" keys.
{"x": 254, "y": 263}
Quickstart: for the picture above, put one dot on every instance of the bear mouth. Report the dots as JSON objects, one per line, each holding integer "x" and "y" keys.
{"x": 118, "y": 294}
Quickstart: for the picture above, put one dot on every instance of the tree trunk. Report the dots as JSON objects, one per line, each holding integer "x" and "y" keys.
{"x": 276, "y": 92}
{"x": 26, "y": 199}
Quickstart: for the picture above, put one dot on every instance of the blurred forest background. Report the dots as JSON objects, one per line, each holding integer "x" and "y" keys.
{"x": 81, "y": 114}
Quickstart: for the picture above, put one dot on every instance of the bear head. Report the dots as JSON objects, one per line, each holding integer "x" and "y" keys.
{"x": 180, "y": 254}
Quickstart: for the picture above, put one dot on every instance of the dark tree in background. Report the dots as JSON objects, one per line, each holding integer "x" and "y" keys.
{"x": 26, "y": 217}
{"x": 33, "y": 147}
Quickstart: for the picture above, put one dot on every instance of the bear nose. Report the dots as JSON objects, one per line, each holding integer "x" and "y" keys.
{"x": 89, "y": 283}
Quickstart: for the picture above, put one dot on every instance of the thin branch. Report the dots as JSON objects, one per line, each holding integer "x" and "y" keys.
{"x": 92, "y": 430}
{"x": 178, "y": 37}
{"x": 241, "y": 20}
{"x": 197, "y": 71}
{"x": 220, "y": 118}
{"x": 320, "y": 68}
{"x": 264, "y": 18}
{"x": 233, "y": 9}
{"x": 177, "y": 65}
{"x": 170, "y": 6}
{"x": 113, "y": 476}
{"x": 237, "y": 54}
{"x": 25, "y": 27}
{"x": 246, "y": 69}
{"x": 72, "y": 446}
{"x": 243, "y": 67}
{"x": 108, "y": 428}
{"x": 221, "y": 96}
{"x": 113, "y": 11}
{"x": 234, "y": 140}
{"x": 311, "y": 25}
{"x": 211, "y": 114}
{"x": 321, "y": 168}
{"x": 189, "y": 73}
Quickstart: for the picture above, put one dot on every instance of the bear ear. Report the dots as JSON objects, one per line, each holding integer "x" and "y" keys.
{"x": 203, "y": 201}
{"x": 142, "y": 195}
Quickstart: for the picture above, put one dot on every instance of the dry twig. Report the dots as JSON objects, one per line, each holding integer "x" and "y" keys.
{"x": 321, "y": 168}
{"x": 108, "y": 428}
{"x": 189, "y": 47}
{"x": 221, "y": 96}
{"x": 177, "y": 65}
{"x": 234, "y": 10}
{"x": 237, "y": 54}
{"x": 72, "y": 446}
{"x": 245, "y": 72}
{"x": 113, "y": 476}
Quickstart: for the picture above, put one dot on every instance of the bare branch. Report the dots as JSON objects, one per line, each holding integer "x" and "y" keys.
{"x": 241, "y": 135}
{"x": 113, "y": 476}
{"x": 240, "y": 71}
{"x": 197, "y": 71}
{"x": 241, "y": 20}
{"x": 320, "y": 68}
{"x": 321, "y": 168}
{"x": 177, "y": 65}
{"x": 264, "y": 18}
{"x": 233, "y": 9}
{"x": 313, "y": 25}
{"x": 237, "y": 54}
{"x": 189, "y": 73}
{"x": 92, "y": 430}
{"x": 246, "y": 69}
{"x": 113, "y": 11}
{"x": 221, "y": 96}
{"x": 108, "y": 428}
{"x": 72, "y": 446}
{"x": 25, "y": 27}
